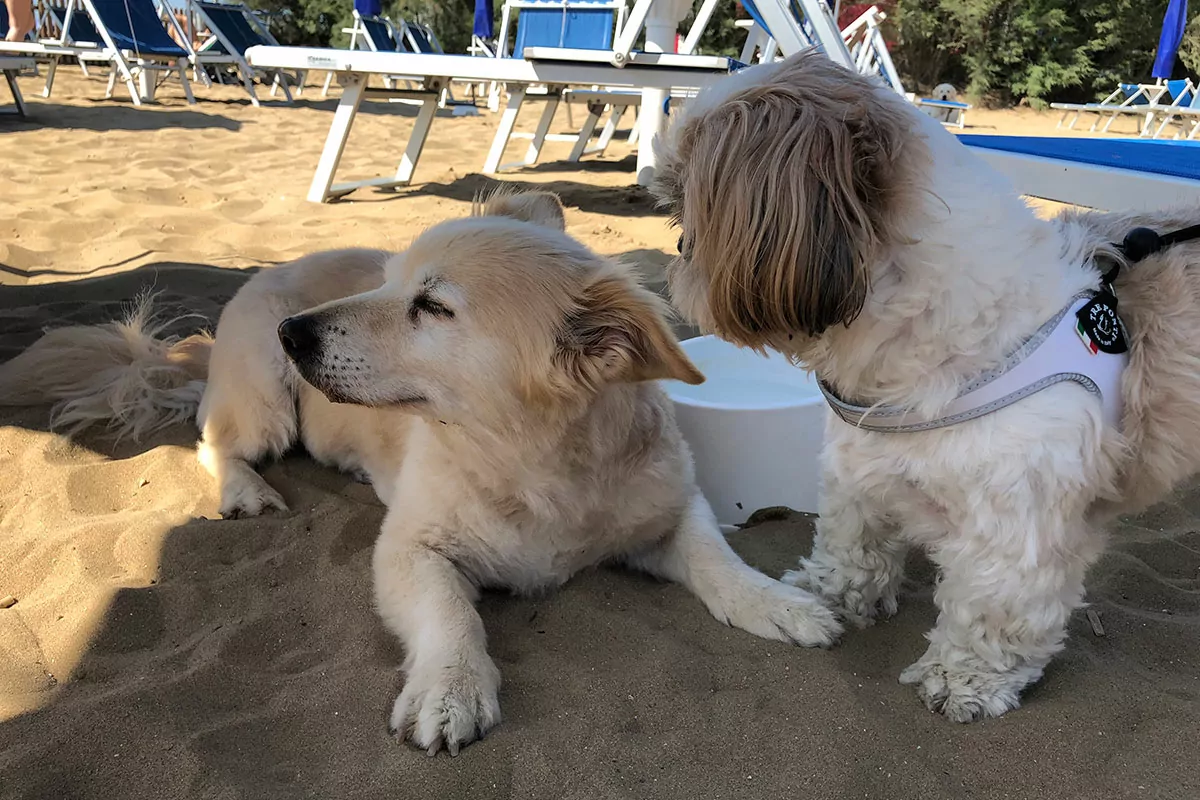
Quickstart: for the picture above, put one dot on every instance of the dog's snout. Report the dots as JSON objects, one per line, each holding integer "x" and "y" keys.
{"x": 299, "y": 338}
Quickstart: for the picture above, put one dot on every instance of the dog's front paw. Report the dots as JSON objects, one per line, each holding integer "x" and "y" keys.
{"x": 447, "y": 706}
{"x": 776, "y": 611}
{"x": 249, "y": 500}
{"x": 964, "y": 695}
{"x": 857, "y": 595}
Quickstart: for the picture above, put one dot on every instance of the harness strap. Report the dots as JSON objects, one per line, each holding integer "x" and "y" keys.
{"x": 1053, "y": 355}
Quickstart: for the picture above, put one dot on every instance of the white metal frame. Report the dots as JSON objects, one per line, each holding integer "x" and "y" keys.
{"x": 1187, "y": 116}
{"x": 354, "y": 68}
{"x": 597, "y": 99}
{"x": 1151, "y": 91}
{"x": 1091, "y": 185}
{"x": 864, "y": 39}
{"x": 11, "y": 66}
{"x": 791, "y": 38}
{"x": 49, "y": 30}
{"x": 953, "y": 113}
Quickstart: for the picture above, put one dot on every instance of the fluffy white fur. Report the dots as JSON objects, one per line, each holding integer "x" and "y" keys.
{"x": 495, "y": 382}
{"x": 825, "y": 217}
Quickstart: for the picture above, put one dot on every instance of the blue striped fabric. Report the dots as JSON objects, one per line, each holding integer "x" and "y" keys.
{"x": 1179, "y": 159}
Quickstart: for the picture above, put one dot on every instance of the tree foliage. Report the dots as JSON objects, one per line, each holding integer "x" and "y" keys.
{"x": 1034, "y": 50}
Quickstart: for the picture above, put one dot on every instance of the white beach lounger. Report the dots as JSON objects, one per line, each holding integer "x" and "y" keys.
{"x": 1124, "y": 93}
{"x": 948, "y": 112}
{"x": 642, "y": 70}
{"x": 1114, "y": 174}
{"x": 1128, "y": 97}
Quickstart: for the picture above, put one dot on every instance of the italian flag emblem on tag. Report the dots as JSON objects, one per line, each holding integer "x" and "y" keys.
{"x": 1085, "y": 338}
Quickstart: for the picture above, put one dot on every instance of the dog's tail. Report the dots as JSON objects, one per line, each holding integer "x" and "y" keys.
{"x": 124, "y": 375}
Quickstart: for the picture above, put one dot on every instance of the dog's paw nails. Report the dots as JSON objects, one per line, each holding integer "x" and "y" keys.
{"x": 962, "y": 695}
{"x": 447, "y": 707}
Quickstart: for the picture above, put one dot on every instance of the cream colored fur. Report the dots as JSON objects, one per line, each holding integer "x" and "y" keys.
{"x": 496, "y": 386}
{"x": 825, "y": 217}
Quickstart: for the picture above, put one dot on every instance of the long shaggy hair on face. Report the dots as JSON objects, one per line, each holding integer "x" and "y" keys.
{"x": 785, "y": 192}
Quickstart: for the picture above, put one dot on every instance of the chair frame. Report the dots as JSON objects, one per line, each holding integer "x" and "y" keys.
{"x": 355, "y": 68}
{"x": 135, "y": 69}
{"x": 12, "y": 66}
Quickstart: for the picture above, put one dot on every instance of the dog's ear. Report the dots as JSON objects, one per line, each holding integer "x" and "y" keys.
{"x": 787, "y": 193}
{"x": 617, "y": 333}
{"x": 540, "y": 208}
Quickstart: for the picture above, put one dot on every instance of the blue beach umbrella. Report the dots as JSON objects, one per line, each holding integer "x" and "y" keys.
{"x": 1174, "y": 21}
{"x": 484, "y": 15}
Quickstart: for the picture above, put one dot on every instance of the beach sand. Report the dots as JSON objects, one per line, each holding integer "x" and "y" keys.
{"x": 155, "y": 651}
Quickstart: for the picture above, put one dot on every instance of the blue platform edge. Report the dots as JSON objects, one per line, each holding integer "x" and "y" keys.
{"x": 1178, "y": 159}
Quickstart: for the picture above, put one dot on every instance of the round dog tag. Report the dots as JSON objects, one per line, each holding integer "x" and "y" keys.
{"x": 1100, "y": 326}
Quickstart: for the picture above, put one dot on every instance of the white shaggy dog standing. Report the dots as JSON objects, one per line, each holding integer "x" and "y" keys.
{"x": 495, "y": 382}
{"x": 825, "y": 217}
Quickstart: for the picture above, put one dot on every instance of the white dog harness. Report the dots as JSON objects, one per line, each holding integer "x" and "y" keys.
{"x": 1085, "y": 343}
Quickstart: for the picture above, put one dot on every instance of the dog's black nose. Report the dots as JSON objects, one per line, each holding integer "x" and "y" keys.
{"x": 299, "y": 337}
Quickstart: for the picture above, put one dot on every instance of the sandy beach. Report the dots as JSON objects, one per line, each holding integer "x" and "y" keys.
{"x": 157, "y": 651}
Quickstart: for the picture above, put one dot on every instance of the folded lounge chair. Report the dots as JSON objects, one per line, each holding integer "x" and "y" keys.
{"x": 1178, "y": 92}
{"x": 1097, "y": 173}
{"x": 1185, "y": 111}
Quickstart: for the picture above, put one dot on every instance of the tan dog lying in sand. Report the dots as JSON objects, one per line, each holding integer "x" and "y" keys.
{"x": 494, "y": 382}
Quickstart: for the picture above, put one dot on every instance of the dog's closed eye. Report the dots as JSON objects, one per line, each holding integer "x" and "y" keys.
{"x": 425, "y": 303}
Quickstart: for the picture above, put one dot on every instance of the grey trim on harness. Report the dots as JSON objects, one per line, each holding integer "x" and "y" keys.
{"x": 1017, "y": 378}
